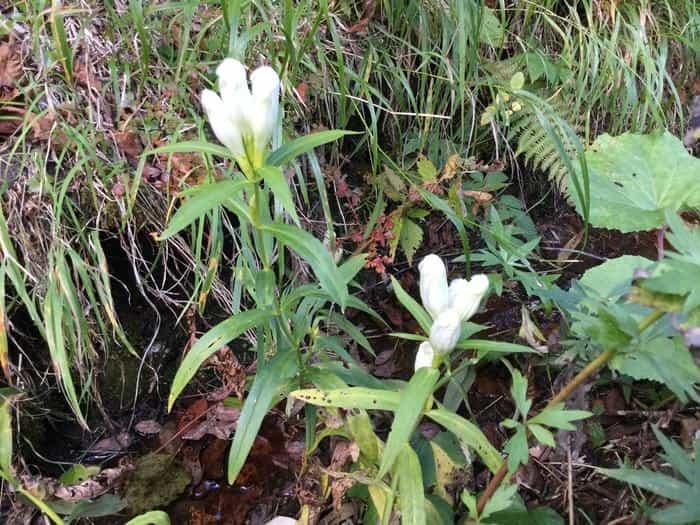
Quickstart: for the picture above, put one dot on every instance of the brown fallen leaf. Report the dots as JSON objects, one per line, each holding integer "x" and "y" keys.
{"x": 570, "y": 245}
{"x": 482, "y": 199}
{"x": 147, "y": 427}
{"x": 451, "y": 167}
{"x": 690, "y": 431}
{"x": 10, "y": 68}
{"x": 219, "y": 422}
{"x": 129, "y": 144}
{"x": 339, "y": 486}
{"x": 344, "y": 452}
{"x": 85, "y": 77}
{"x": 11, "y": 123}
{"x": 111, "y": 444}
{"x": 367, "y": 13}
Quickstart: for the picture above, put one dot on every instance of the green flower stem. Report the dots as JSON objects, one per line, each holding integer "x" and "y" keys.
{"x": 255, "y": 203}
{"x": 563, "y": 394}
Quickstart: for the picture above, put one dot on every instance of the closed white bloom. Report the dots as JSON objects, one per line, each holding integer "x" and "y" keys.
{"x": 465, "y": 296}
{"x": 445, "y": 331}
{"x": 228, "y": 134}
{"x": 264, "y": 111}
{"x": 244, "y": 119}
{"x": 424, "y": 356}
{"x": 433, "y": 285}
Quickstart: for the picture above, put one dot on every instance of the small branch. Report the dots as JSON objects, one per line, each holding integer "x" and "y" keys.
{"x": 563, "y": 394}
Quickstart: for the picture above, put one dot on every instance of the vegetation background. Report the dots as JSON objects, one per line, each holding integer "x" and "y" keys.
{"x": 475, "y": 110}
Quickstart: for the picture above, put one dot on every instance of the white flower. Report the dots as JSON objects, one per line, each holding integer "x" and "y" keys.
{"x": 424, "y": 356}
{"x": 465, "y": 296}
{"x": 244, "y": 119}
{"x": 445, "y": 331}
{"x": 433, "y": 285}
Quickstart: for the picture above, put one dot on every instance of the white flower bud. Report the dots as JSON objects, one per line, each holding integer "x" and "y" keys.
{"x": 224, "y": 128}
{"x": 465, "y": 296}
{"x": 424, "y": 356}
{"x": 445, "y": 331}
{"x": 243, "y": 120}
{"x": 433, "y": 285}
{"x": 265, "y": 87}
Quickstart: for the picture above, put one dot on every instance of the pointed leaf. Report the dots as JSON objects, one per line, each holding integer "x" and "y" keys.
{"x": 469, "y": 434}
{"x": 315, "y": 253}
{"x": 351, "y": 397}
{"x": 210, "y": 343}
{"x": 274, "y": 178}
{"x": 410, "y": 409}
{"x": 415, "y": 309}
{"x": 201, "y": 201}
{"x": 296, "y": 147}
{"x": 197, "y": 146}
{"x": 271, "y": 381}
{"x": 410, "y": 481}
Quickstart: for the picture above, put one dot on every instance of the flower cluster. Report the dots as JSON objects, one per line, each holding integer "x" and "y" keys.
{"x": 448, "y": 305}
{"x": 244, "y": 119}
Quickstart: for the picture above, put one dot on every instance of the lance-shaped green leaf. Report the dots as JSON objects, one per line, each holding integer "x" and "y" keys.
{"x": 411, "y": 494}
{"x": 154, "y": 517}
{"x": 317, "y": 256}
{"x": 271, "y": 382}
{"x": 469, "y": 434}
{"x": 196, "y": 146}
{"x": 351, "y": 397}
{"x": 274, "y": 178}
{"x": 411, "y": 406}
{"x": 415, "y": 309}
{"x": 202, "y": 200}
{"x": 296, "y": 147}
{"x": 210, "y": 343}
{"x": 5, "y": 437}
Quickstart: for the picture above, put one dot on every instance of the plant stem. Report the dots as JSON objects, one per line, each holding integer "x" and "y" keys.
{"x": 564, "y": 393}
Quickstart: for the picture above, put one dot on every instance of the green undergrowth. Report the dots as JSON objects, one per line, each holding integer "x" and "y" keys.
{"x": 497, "y": 99}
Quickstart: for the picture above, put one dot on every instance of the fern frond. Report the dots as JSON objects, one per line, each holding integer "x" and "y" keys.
{"x": 534, "y": 144}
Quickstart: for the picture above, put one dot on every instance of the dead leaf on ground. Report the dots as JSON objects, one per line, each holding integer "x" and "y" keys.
{"x": 88, "y": 489}
{"x": 570, "y": 245}
{"x": 344, "y": 452}
{"x": 10, "y": 69}
{"x": 129, "y": 144}
{"x": 367, "y": 13}
{"x": 690, "y": 431}
{"x": 148, "y": 426}
{"x": 11, "y": 123}
{"x": 85, "y": 77}
{"x": 339, "y": 487}
{"x": 213, "y": 458}
{"x": 111, "y": 444}
{"x": 219, "y": 422}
